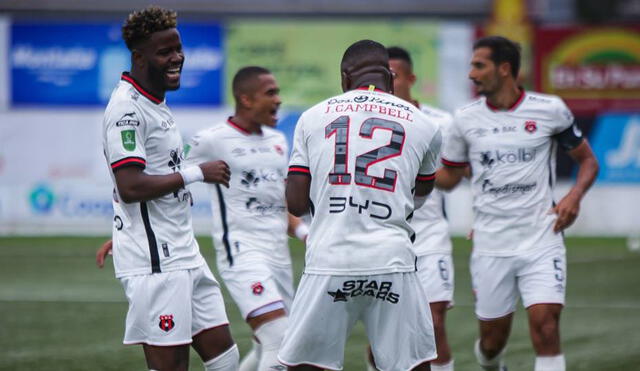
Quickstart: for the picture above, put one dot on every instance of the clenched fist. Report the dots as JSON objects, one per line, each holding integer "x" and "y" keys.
{"x": 216, "y": 172}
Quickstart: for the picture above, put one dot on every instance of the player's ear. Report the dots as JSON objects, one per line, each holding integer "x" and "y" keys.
{"x": 504, "y": 69}
{"x": 346, "y": 81}
{"x": 245, "y": 100}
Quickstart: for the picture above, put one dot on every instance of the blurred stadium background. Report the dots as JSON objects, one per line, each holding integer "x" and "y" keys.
{"x": 59, "y": 60}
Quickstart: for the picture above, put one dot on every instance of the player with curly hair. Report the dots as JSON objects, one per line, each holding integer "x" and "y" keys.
{"x": 174, "y": 300}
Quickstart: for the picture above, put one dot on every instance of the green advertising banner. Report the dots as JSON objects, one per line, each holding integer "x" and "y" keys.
{"x": 304, "y": 55}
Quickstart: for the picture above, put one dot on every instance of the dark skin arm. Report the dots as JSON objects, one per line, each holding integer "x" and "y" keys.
{"x": 569, "y": 207}
{"x": 448, "y": 177}
{"x": 424, "y": 188}
{"x": 297, "y": 193}
{"x": 134, "y": 185}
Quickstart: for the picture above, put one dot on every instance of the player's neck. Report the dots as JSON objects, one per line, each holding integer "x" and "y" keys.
{"x": 246, "y": 123}
{"x": 144, "y": 82}
{"x": 406, "y": 96}
{"x": 506, "y": 97}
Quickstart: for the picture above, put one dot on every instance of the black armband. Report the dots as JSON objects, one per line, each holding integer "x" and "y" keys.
{"x": 569, "y": 138}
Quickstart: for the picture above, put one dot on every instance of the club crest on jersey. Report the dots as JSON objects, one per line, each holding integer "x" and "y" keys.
{"x": 128, "y": 139}
{"x": 166, "y": 322}
{"x": 278, "y": 149}
{"x": 257, "y": 288}
{"x": 530, "y": 126}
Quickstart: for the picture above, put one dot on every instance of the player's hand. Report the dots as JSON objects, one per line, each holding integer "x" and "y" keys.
{"x": 567, "y": 210}
{"x": 216, "y": 172}
{"x": 102, "y": 253}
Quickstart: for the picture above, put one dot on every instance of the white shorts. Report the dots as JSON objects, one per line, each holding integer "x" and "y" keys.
{"x": 539, "y": 276}
{"x": 391, "y": 306}
{"x": 257, "y": 284}
{"x": 169, "y": 308}
{"x": 436, "y": 275}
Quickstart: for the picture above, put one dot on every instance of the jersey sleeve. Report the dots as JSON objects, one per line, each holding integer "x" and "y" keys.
{"x": 454, "y": 149}
{"x": 565, "y": 128}
{"x": 430, "y": 161}
{"x": 299, "y": 162}
{"x": 125, "y": 137}
{"x": 200, "y": 148}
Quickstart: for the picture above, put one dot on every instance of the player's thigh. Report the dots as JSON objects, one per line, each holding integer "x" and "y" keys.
{"x": 398, "y": 322}
{"x": 542, "y": 277}
{"x": 159, "y": 308}
{"x": 208, "y": 309}
{"x": 251, "y": 286}
{"x": 322, "y": 316}
{"x": 494, "y": 284}
{"x": 436, "y": 276}
{"x": 283, "y": 276}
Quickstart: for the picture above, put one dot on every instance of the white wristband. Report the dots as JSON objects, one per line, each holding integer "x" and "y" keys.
{"x": 191, "y": 174}
{"x": 301, "y": 231}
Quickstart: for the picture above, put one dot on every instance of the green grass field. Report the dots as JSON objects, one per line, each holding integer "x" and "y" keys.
{"x": 59, "y": 312}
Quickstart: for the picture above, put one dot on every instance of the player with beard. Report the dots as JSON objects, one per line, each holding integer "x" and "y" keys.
{"x": 356, "y": 160}
{"x": 250, "y": 217}
{"x": 174, "y": 300}
{"x": 509, "y": 137}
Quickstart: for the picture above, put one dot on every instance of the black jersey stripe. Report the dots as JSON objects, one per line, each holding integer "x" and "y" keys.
{"x": 225, "y": 226}
{"x": 151, "y": 237}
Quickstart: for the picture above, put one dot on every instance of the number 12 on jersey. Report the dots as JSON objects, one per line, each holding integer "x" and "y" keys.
{"x": 340, "y": 175}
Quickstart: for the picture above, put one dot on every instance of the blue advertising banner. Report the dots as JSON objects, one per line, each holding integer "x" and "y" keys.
{"x": 616, "y": 144}
{"x": 80, "y": 63}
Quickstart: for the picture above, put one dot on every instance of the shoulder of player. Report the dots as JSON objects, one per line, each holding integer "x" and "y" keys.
{"x": 215, "y": 132}
{"x": 470, "y": 108}
{"x": 543, "y": 100}
{"x": 272, "y": 133}
{"x": 122, "y": 110}
{"x": 442, "y": 116}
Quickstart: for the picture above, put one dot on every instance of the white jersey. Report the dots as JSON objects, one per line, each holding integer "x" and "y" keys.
{"x": 250, "y": 217}
{"x": 149, "y": 236}
{"x": 363, "y": 150}
{"x": 430, "y": 221}
{"x": 512, "y": 155}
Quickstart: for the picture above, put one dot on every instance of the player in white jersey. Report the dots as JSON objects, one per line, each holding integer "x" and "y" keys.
{"x": 433, "y": 243}
{"x": 174, "y": 300}
{"x": 355, "y": 161}
{"x": 509, "y": 138}
{"x": 250, "y": 217}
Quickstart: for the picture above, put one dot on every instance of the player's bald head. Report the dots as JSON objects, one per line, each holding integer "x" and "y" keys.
{"x": 364, "y": 54}
{"x": 244, "y": 82}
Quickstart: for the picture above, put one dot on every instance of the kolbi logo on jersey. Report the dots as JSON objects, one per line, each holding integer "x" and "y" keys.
{"x": 373, "y": 288}
{"x": 501, "y": 157}
{"x": 166, "y": 322}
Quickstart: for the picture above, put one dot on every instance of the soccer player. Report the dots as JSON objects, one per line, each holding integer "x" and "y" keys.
{"x": 356, "y": 159}
{"x": 250, "y": 217}
{"x": 174, "y": 300}
{"x": 509, "y": 138}
{"x": 433, "y": 243}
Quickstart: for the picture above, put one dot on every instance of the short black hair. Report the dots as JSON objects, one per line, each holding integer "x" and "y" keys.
{"x": 244, "y": 77}
{"x": 364, "y": 50}
{"x": 139, "y": 25}
{"x": 396, "y": 52}
{"x": 502, "y": 50}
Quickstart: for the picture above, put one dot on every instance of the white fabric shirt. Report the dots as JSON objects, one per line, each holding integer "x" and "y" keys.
{"x": 363, "y": 150}
{"x": 430, "y": 221}
{"x": 512, "y": 155}
{"x": 250, "y": 217}
{"x": 152, "y": 236}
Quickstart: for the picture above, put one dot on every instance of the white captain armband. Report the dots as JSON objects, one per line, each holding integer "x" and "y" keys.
{"x": 191, "y": 174}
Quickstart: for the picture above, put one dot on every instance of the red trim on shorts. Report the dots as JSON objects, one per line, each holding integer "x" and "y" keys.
{"x": 209, "y": 328}
{"x": 158, "y": 345}
{"x": 262, "y": 306}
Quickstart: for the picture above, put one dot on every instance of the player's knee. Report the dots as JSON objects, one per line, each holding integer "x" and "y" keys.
{"x": 227, "y": 361}
{"x": 490, "y": 349}
{"x": 271, "y": 333}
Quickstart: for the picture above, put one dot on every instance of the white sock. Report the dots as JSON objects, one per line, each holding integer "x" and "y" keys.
{"x": 270, "y": 335}
{"x": 494, "y": 364}
{"x": 550, "y": 363}
{"x": 227, "y": 361}
{"x": 250, "y": 361}
{"x": 443, "y": 366}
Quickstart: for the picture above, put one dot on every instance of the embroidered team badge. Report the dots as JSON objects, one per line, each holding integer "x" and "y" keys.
{"x": 278, "y": 149}
{"x": 166, "y": 322}
{"x": 257, "y": 288}
{"x": 530, "y": 126}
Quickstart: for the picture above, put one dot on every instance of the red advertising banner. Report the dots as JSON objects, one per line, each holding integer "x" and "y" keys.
{"x": 594, "y": 69}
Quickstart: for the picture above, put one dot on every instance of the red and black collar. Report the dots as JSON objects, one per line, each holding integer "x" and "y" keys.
{"x": 128, "y": 78}
{"x": 239, "y": 128}
{"x": 513, "y": 106}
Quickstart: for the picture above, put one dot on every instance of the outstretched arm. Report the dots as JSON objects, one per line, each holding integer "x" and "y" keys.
{"x": 569, "y": 207}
